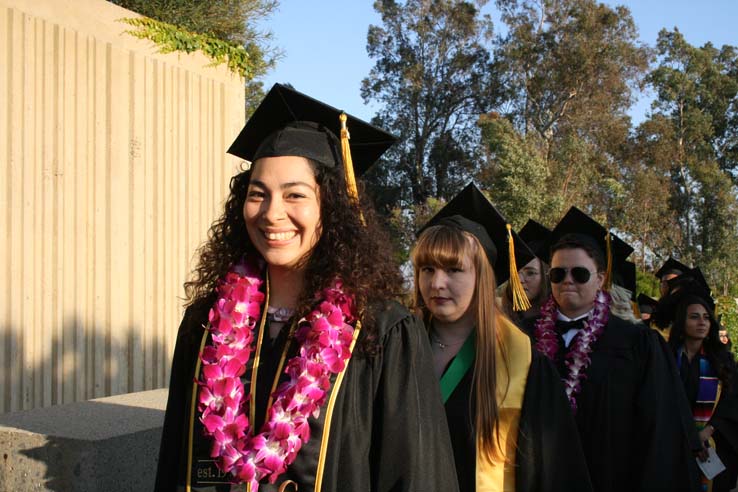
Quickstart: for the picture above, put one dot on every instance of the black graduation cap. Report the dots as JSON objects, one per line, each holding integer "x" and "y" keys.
{"x": 472, "y": 212}
{"x": 288, "y": 122}
{"x": 690, "y": 284}
{"x": 588, "y": 231}
{"x": 646, "y": 304}
{"x": 672, "y": 266}
{"x": 692, "y": 280}
{"x": 625, "y": 276}
{"x": 536, "y": 236}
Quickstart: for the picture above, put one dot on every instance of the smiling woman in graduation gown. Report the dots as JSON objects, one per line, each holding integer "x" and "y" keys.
{"x": 368, "y": 416}
{"x": 532, "y": 442}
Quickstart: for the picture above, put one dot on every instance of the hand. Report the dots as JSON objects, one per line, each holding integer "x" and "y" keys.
{"x": 706, "y": 433}
{"x": 702, "y": 454}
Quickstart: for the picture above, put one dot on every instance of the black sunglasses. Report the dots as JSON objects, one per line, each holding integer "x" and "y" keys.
{"x": 580, "y": 274}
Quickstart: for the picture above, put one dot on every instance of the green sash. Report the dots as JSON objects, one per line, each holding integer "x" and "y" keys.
{"x": 459, "y": 366}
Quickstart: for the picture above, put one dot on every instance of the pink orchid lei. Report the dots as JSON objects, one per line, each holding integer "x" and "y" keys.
{"x": 325, "y": 338}
{"x": 577, "y": 359}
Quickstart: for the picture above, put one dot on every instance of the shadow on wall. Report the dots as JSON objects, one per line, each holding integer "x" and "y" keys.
{"x": 64, "y": 442}
{"x": 78, "y": 363}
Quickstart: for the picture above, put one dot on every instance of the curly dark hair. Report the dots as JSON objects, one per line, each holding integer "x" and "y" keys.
{"x": 358, "y": 253}
{"x": 715, "y": 351}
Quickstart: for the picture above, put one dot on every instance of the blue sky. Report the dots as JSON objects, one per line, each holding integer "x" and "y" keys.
{"x": 324, "y": 41}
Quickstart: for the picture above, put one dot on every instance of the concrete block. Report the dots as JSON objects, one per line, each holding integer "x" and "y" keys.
{"x": 108, "y": 444}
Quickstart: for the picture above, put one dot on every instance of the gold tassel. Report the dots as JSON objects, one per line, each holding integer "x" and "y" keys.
{"x": 348, "y": 165}
{"x": 519, "y": 297}
{"x": 636, "y": 309}
{"x": 608, "y": 273}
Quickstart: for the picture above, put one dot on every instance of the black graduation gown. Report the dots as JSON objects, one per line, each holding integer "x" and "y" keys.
{"x": 387, "y": 430}
{"x": 724, "y": 419}
{"x": 549, "y": 456}
{"x": 630, "y": 416}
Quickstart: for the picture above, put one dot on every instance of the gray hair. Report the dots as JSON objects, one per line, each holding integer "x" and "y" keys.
{"x": 620, "y": 305}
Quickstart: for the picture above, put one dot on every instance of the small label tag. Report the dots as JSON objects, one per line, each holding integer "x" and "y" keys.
{"x": 206, "y": 472}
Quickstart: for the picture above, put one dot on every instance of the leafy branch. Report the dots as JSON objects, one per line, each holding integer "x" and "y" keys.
{"x": 171, "y": 38}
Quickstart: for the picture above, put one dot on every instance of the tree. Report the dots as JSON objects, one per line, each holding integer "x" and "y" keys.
{"x": 516, "y": 172}
{"x": 430, "y": 78}
{"x": 568, "y": 68}
{"x": 690, "y": 140}
{"x": 234, "y": 21}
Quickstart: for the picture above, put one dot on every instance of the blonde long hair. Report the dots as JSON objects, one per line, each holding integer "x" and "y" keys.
{"x": 446, "y": 247}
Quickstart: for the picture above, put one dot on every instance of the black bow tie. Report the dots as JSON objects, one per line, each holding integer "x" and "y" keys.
{"x": 564, "y": 326}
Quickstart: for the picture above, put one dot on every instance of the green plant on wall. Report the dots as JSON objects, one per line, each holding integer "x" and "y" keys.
{"x": 171, "y": 38}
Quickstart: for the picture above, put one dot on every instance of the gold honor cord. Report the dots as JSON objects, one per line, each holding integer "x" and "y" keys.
{"x": 329, "y": 414}
{"x": 608, "y": 272}
{"x": 519, "y": 297}
{"x": 348, "y": 165}
{"x": 711, "y": 440}
{"x": 192, "y": 412}
{"x": 283, "y": 487}
{"x": 717, "y": 396}
{"x": 257, "y": 352}
{"x": 255, "y": 366}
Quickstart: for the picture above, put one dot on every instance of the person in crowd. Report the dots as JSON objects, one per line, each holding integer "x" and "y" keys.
{"x": 690, "y": 280}
{"x": 533, "y": 276}
{"x": 725, "y": 339}
{"x": 670, "y": 270}
{"x": 510, "y": 422}
{"x": 621, "y": 382}
{"x": 646, "y": 306}
{"x": 622, "y": 292}
{"x": 293, "y": 371}
{"x": 708, "y": 373}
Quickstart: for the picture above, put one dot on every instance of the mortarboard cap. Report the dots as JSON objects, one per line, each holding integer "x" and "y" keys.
{"x": 536, "y": 236}
{"x": 288, "y": 122}
{"x": 646, "y": 304}
{"x": 687, "y": 286}
{"x": 625, "y": 276}
{"x": 472, "y": 212}
{"x": 672, "y": 266}
{"x": 692, "y": 281}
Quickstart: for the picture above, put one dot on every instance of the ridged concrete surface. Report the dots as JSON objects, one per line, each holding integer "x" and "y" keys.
{"x": 112, "y": 167}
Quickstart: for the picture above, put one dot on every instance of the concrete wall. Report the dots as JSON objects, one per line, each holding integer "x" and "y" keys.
{"x": 109, "y": 444}
{"x": 112, "y": 167}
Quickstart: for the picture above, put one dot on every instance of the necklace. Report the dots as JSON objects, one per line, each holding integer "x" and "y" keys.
{"x": 280, "y": 314}
{"x": 444, "y": 345}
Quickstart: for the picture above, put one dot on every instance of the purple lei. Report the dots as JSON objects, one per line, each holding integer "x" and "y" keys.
{"x": 577, "y": 359}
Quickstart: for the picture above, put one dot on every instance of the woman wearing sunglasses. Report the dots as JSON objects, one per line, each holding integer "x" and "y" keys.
{"x": 621, "y": 385}
{"x": 708, "y": 373}
{"x": 511, "y": 428}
